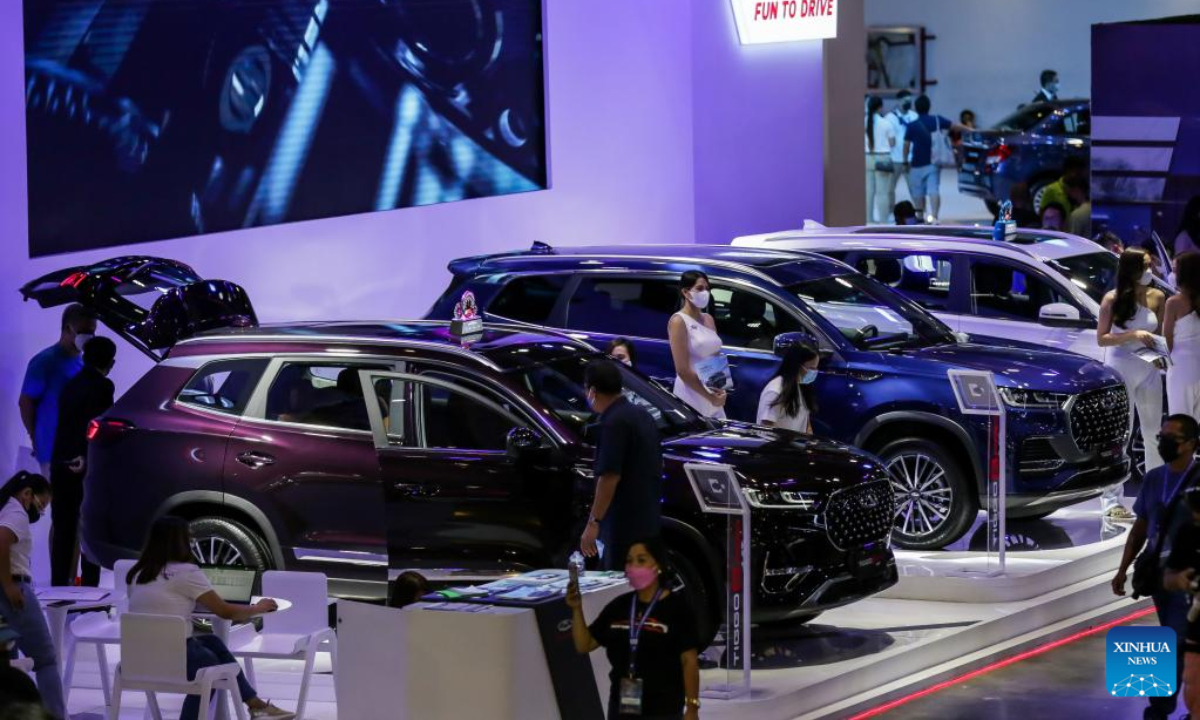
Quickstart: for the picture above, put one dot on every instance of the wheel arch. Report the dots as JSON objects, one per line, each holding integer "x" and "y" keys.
{"x": 883, "y": 429}
{"x": 196, "y": 504}
{"x": 688, "y": 541}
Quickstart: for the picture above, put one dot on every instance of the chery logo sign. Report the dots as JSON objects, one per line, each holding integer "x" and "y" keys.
{"x": 771, "y": 21}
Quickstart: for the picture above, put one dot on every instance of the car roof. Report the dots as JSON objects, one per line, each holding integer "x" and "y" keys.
{"x": 503, "y": 347}
{"x": 1040, "y": 244}
{"x": 778, "y": 266}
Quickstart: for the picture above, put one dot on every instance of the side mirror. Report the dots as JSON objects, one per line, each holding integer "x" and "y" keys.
{"x": 1059, "y": 315}
{"x": 785, "y": 341}
{"x": 962, "y": 338}
{"x": 521, "y": 441}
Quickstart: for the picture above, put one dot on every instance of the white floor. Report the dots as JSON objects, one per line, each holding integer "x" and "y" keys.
{"x": 278, "y": 682}
{"x": 956, "y": 209}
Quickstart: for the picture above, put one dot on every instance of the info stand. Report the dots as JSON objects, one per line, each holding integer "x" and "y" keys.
{"x": 976, "y": 393}
{"x": 719, "y": 493}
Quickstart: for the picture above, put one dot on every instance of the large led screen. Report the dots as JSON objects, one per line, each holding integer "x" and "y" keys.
{"x": 153, "y": 119}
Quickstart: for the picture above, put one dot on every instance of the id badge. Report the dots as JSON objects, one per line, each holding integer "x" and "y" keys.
{"x": 631, "y": 696}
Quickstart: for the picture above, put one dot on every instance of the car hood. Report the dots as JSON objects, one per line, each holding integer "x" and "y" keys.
{"x": 767, "y": 458}
{"x": 1047, "y": 371}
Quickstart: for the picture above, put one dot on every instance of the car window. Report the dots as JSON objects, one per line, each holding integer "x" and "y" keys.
{"x": 1094, "y": 273}
{"x": 632, "y": 307}
{"x": 1006, "y": 293}
{"x": 923, "y": 278}
{"x": 529, "y": 299}
{"x": 1078, "y": 122}
{"x": 746, "y": 319}
{"x": 224, "y": 385}
{"x": 449, "y": 419}
{"x": 323, "y": 394}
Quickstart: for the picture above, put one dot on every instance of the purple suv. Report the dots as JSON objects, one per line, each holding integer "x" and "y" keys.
{"x": 359, "y": 448}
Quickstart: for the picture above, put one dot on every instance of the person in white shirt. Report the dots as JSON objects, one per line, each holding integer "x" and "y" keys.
{"x": 23, "y": 501}
{"x": 879, "y": 137}
{"x": 165, "y": 581}
{"x": 789, "y": 400}
{"x": 899, "y": 118}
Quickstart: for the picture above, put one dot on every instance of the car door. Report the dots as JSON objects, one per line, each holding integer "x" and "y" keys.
{"x": 303, "y": 455}
{"x": 471, "y": 486}
{"x": 930, "y": 279}
{"x": 1006, "y": 300}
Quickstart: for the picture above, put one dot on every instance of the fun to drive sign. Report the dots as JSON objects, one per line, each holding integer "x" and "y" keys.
{"x": 772, "y": 21}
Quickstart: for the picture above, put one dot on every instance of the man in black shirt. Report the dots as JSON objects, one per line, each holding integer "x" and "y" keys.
{"x": 1181, "y": 575}
{"x": 628, "y": 469}
{"x": 84, "y": 398}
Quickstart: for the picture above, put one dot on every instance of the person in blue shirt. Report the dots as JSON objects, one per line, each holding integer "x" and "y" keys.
{"x": 45, "y": 377}
{"x": 1177, "y": 444}
{"x": 924, "y": 177}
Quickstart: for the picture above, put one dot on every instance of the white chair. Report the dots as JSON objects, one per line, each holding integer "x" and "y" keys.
{"x": 99, "y": 629}
{"x": 154, "y": 660}
{"x": 298, "y": 633}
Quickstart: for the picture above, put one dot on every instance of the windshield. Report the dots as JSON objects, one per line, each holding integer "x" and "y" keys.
{"x": 1094, "y": 273}
{"x": 869, "y": 315}
{"x": 1025, "y": 118}
{"x": 558, "y": 384}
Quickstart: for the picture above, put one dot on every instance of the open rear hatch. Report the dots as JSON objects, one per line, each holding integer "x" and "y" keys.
{"x": 151, "y": 302}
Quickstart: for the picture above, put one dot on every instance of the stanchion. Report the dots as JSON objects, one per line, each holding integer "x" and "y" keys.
{"x": 976, "y": 393}
{"x": 719, "y": 493}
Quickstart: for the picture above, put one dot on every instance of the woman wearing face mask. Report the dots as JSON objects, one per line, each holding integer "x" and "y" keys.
{"x": 23, "y": 500}
{"x": 694, "y": 341}
{"x": 622, "y": 350}
{"x": 1130, "y": 319}
{"x": 649, "y": 636}
{"x": 789, "y": 401}
{"x": 1182, "y": 328}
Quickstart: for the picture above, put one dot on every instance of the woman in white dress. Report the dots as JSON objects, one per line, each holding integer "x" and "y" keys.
{"x": 1182, "y": 328}
{"x": 788, "y": 400}
{"x": 1130, "y": 320}
{"x": 694, "y": 339}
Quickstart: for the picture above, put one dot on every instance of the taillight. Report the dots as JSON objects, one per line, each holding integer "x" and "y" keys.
{"x": 108, "y": 428}
{"x": 73, "y": 280}
{"x": 998, "y": 154}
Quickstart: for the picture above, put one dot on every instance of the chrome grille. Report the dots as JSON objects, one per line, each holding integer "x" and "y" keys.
{"x": 859, "y": 515}
{"x": 1100, "y": 418}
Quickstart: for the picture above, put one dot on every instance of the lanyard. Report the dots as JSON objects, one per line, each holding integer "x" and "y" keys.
{"x": 1178, "y": 484}
{"x": 635, "y": 629}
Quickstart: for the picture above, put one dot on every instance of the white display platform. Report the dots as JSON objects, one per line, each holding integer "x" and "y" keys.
{"x": 935, "y": 624}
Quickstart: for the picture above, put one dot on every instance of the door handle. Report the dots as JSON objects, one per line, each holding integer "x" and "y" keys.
{"x": 255, "y": 460}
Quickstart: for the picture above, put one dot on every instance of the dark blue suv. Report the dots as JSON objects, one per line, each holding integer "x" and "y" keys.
{"x": 1029, "y": 146}
{"x": 883, "y": 387}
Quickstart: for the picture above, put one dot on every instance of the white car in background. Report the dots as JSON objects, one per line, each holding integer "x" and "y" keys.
{"x": 1039, "y": 288}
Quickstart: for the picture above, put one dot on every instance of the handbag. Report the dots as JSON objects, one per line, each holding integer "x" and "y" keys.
{"x": 941, "y": 152}
{"x": 1147, "y": 573}
{"x": 885, "y": 166}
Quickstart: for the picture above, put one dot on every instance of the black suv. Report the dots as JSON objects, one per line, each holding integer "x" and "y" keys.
{"x": 352, "y": 448}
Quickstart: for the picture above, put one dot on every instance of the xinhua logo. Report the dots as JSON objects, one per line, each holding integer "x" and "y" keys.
{"x": 1140, "y": 661}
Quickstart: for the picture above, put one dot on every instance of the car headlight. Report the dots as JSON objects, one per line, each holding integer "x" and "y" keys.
{"x": 1033, "y": 399}
{"x": 787, "y": 499}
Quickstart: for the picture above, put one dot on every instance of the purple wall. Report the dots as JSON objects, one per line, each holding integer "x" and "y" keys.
{"x": 756, "y": 130}
{"x": 621, "y": 85}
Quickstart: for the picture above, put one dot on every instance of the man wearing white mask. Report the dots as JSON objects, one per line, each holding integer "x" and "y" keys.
{"x": 45, "y": 377}
{"x": 1048, "y": 92}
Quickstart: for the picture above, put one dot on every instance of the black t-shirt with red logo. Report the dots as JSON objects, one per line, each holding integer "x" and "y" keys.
{"x": 670, "y": 630}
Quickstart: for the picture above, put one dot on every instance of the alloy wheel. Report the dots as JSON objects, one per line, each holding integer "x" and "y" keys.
{"x": 924, "y": 496}
{"x": 1137, "y": 452}
{"x": 214, "y": 550}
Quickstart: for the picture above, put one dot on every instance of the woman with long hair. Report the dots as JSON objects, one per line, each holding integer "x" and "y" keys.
{"x": 695, "y": 346}
{"x": 650, "y": 638}
{"x": 622, "y": 350}
{"x": 1188, "y": 238}
{"x": 23, "y": 501}
{"x": 1182, "y": 328}
{"x": 1130, "y": 319}
{"x": 166, "y": 581}
{"x": 877, "y": 144}
{"x": 789, "y": 400}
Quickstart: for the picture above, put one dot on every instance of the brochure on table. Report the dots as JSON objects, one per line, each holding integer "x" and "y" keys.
{"x": 528, "y": 589}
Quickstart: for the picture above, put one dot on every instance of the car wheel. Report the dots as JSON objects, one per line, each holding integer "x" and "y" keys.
{"x": 934, "y": 503}
{"x": 706, "y": 608}
{"x": 1137, "y": 453}
{"x": 217, "y": 541}
{"x": 1038, "y": 191}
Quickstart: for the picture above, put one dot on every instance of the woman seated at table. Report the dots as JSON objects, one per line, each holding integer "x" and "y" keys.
{"x": 165, "y": 581}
